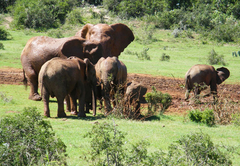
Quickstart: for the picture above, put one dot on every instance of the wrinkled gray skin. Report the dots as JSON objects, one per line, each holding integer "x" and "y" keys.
{"x": 114, "y": 38}
{"x": 40, "y": 49}
{"x": 201, "y": 75}
{"x": 62, "y": 77}
{"x": 111, "y": 73}
{"x": 135, "y": 95}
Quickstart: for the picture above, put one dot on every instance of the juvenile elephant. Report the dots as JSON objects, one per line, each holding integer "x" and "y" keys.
{"x": 199, "y": 75}
{"x": 135, "y": 95}
{"x": 113, "y": 38}
{"x": 112, "y": 74}
{"x": 40, "y": 49}
{"x": 62, "y": 77}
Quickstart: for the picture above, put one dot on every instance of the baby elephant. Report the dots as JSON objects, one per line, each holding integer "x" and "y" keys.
{"x": 62, "y": 77}
{"x": 200, "y": 75}
{"x": 134, "y": 95}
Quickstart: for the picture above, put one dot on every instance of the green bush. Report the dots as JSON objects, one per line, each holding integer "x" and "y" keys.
{"x": 55, "y": 33}
{"x": 26, "y": 139}
{"x": 107, "y": 148}
{"x": 143, "y": 55}
{"x": 165, "y": 57}
{"x": 4, "y": 34}
{"x": 74, "y": 17}
{"x": 1, "y": 47}
{"x": 215, "y": 59}
{"x": 197, "y": 149}
{"x": 40, "y": 15}
{"x": 158, "y": 100}
{"x": 207, "y": 116}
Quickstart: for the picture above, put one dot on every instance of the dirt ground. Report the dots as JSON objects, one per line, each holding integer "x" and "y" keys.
{"x": 172, "y": 86}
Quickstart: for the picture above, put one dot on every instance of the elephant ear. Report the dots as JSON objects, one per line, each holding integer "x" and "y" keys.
{"x": 84, "y": 31}
{"x": 72, "y": 47}
{"x": 123, "y": 37}
{"x": 222, "y": 74}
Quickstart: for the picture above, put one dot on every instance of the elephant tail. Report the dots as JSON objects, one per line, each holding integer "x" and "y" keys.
{"x": 24, "y": 79}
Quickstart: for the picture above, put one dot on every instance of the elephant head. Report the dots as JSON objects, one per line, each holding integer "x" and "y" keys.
{"x": 81, "y": 48}
{"x": 222, "y": 74}
{"x": 113, "y": 38}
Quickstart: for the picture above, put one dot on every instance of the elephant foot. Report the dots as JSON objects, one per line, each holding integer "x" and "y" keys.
{"x": 62, "y": 115}
{"x": 81, "y": 114}
{"x": 47, "y": 115}
{"x": 35, "y": 97}
{"x": 74, "y": 112}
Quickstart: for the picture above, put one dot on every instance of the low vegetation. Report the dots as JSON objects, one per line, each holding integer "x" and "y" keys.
{"x": 26, "y": 139}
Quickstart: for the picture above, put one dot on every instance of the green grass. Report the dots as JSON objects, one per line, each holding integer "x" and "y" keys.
{"x": 160, "y": 133}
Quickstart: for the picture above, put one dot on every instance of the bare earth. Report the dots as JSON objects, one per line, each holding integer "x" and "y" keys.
{"x": 172, "y": 86}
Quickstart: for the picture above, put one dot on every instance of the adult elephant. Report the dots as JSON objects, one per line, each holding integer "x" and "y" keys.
{"x": 200, "y": 75}
{"x": 113, "y": 38}
{"x": 67, "y": 77}
{"x": 40, "y": 49}
{"x": 111, "y": 73}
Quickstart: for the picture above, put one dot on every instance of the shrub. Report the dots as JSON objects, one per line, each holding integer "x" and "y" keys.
{"x": 28, "y": 14}
{"x": 107, "y": 148}
{"x": 74, "y": 17}
{"x": 4, "y": 98}
{"x": 197, "y": 149}
{"x": 165, "y": 57}
{"x": 26, "y": 139}
{"x": 215, "y": 59}
{"x": 1, "y": 47}
{"x": 143, "y": 55}
{"x": 207, "y": 116}
{"x": 4, "y": 34}
{"x": 158, "y": 100}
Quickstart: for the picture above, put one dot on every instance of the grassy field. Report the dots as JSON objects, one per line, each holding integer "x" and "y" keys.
{"x": 183, "y": 52}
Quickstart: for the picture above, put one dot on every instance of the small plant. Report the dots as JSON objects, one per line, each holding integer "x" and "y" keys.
{"x": 215, "y": 59}
{"x": 26, "y": 139}
{"x": 176, "y": 33}
{"x": 143, "y": 55}
{"x": 236, "y": 119}
{"x": 1, "y": 46}
{"x": 165, "y": 57}
{"x": 4, "y": 98}
{"x": 207, "y": 116}
{"x": 158, "y": 100}
{"x": 4, "y": 34}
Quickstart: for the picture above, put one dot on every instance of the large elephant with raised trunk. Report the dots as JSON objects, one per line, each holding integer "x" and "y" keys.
{"x": 111, "y": 73}
{"x": 40, "y": 49}
{"x": 61, "y": 78}
{"x": 200, "y": 75}
{"x": 113, "y": 38}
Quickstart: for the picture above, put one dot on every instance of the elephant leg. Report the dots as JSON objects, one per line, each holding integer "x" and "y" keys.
{"x": 67, "y": 100}
{"x": 61, "y": 112}
{"x": 33, "y": 80}
{"x": 45, "y": 95}
{"x": 187, "y": 94}
{"x": 81, "y": 103}
{"x": 88, "y": 106}
{"x": 73, "y": 101}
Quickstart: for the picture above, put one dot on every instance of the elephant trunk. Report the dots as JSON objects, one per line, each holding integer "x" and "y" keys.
{"x": 94, "y": 100}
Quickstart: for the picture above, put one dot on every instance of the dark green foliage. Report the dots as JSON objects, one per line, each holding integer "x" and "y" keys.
{"x": 4, "y": 34}
{"x": 215, "y": 59}
{"x": 26, "y": 139}
{"x": 40, "y": 15}
{"x": 4, "y": 4}
{"x": 74, "y": 17}
{"x": 207, "y": 117}
{"x": 165, "y": 57}
{"x": 158, "y": 100}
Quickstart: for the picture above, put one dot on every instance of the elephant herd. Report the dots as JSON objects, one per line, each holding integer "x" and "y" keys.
{"x": 85, "y": 67}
